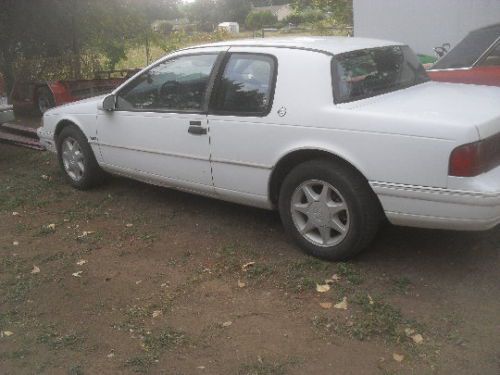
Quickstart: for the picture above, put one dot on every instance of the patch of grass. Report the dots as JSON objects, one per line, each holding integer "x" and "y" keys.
{"x": 264, "y": 367}
{"x": 401, "y": 284}
{"x": 350, "y": 273}
{"x": 140, "y": 363}
{"x": 55, "y": 341}
{"x": 304, "y": 274}
{"x": 260, "y": 271}
{"x": 377, "y": 319}
{"x": 168, "y": 339}
{"x": 76, "y": 370}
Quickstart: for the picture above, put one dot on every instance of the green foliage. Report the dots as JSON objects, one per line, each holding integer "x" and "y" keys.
{"x": 257, "y": 20}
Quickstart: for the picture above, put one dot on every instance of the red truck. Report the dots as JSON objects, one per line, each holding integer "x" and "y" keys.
{"x": 39, "y": 96}
{"x": 476, "y": 59}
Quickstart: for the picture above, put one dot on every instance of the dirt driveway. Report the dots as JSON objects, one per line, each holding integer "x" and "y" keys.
{"x": 133, "y": 278}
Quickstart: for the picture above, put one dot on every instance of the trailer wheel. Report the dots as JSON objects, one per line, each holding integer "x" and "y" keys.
{"x": 44, "y": 99}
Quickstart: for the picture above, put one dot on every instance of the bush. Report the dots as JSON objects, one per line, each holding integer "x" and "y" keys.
{"x": 257, "y": 20}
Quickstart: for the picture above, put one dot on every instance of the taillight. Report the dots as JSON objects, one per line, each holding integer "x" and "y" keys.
{"x": 475, "y": 158}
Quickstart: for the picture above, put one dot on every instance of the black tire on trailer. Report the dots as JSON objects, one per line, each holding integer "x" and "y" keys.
{"x": 329, "y": 209}
{"x": 44, "y": 99}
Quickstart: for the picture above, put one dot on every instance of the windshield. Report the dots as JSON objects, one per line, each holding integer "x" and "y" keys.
{"x": 370, "y": 72}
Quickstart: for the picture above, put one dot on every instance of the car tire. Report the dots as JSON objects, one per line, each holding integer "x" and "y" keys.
{"x": 44, "y": 100}
{"x": 77, "y": 160}
{"x": 329, "y": 209}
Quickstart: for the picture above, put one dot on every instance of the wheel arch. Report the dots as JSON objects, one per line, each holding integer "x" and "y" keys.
{"x": 62, "y": 123}
{"x": 295, "y": 157}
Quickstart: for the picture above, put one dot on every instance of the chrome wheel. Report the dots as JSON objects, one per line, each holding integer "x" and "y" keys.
{"x": 319, "y": 213}
{"x": 73, "y": 159}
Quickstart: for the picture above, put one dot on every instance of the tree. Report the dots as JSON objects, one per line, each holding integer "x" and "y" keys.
{"x": 49, "y": 28}
{"x": 257, "y": 20}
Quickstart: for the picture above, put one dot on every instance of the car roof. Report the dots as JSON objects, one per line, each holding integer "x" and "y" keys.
{"x": 326, "y": 44}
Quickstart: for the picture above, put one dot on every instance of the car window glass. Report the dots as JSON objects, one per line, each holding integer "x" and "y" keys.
{"x": 493, "y": 58}
{"x": 370, "y": 72}
{"x": 246, "y": 84}
{"x": 176, "y": 84}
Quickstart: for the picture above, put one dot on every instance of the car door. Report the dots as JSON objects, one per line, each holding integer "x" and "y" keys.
{"x": 240, "y": 110}
{"x": 158, "y": 131}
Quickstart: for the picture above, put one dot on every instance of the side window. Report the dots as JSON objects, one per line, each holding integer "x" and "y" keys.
{"x": 246, "y": 85}
{"x": 179, "y": 84}
{"x": 493, "y": 58}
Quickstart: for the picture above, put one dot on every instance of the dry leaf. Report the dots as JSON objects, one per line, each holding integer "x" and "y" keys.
{"x": 35, "y": 269}
{"x": 138, "y": 282}
{"x": 51, "y": 226}
{"x": 227, "y": 324}
{"x": 15, "y": 213}
{"x": 322, "y": 288}
{"x": 342, "y": 305}
{"x": 370, "y": 300}
{"x": 85, "y": 234}
{"x": 156, "y": 313}
{"x": 44, "y": 177}
{"x": 326, "y": 305}
{"x": 111, "y": 355}
{"x": 81, "y": 262}
{"x": 7, "y": 333}
{"x": 15, "y": 243}
{"x": 417, "y": 339}
{"x": 247, "y": 266}
{"x": 398, "y": 357}
{"x": 335, "y": 277}
{"x": 241, "y": 284}
{"x": 77, "y": 274}
{"x": 409, "y": 331}
{"x": 129, "y": 225}
{"x": 201, "y": 367}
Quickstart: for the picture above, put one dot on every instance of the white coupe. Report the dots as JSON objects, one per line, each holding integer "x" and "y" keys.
{"x": 334, "y": 132}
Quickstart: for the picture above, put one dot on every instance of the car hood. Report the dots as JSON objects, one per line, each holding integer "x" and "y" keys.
{"x": 451, "y": 105}
{"x": 85, "y": 106}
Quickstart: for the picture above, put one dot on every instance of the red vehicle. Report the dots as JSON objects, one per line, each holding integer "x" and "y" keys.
{"x": 40, "y": 96}
{"x": 476, "y": 59}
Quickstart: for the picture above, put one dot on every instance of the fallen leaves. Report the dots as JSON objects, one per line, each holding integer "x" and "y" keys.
{"x": 326, "y": 305}
{"x": 84, "y": 234}
{"x": 398, "y": 357}
{"x": 129, "y": 225}
{"x": 246, "y": 266}
{"x": 227, "y": 324}
{"x": 15, "y": 213}
{"x": 322, "y": 288}
{"x": 81, "y": 262}
{"x": 6, "y": 333}
{"x": 51, "y": 226}
{"x": 156, "y": 313}
{"x": 15, "y": 243}
{"x": 416, "y": 337}
{"x": 77, "y": 274}
{"x": 35, "y": 269}
{"x": 342, "y": 305}
{"x": 241, "y": 284}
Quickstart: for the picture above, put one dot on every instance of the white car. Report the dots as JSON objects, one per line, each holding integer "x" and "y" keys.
{"x": 334, "y": 132}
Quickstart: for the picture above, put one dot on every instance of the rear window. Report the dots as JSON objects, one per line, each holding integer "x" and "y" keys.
{"x": 375, "y": 71}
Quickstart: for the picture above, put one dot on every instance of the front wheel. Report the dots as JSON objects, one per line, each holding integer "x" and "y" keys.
{"x": 329, "y": 209}
{"x": 77, "y": 160}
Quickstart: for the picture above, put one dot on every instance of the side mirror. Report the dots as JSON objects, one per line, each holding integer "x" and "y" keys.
{"x": 108, "y": 103}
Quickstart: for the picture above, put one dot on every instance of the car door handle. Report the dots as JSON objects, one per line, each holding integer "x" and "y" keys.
{"x": 198, "y": 123}
{"x": 197, "y": 130}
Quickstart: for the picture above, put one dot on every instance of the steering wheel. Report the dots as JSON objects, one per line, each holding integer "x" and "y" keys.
{"x": 168, "y": 90}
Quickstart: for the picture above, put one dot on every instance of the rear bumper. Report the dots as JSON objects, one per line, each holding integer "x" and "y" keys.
{"x": 438, "y": 208}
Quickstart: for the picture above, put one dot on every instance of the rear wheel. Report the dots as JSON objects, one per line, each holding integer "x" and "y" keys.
{"x": 44, "y": 99}
{"x": 77, "y": 160}
{"x": 329, "y": 209}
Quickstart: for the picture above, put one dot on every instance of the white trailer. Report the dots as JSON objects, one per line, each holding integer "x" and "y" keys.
{"x": 423, "y": 24}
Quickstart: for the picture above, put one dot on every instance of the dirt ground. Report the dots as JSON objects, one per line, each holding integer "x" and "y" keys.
{"x": 133, "y": 278}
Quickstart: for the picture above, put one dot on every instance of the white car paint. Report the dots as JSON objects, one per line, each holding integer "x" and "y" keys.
{"x": 401, "y": 141}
